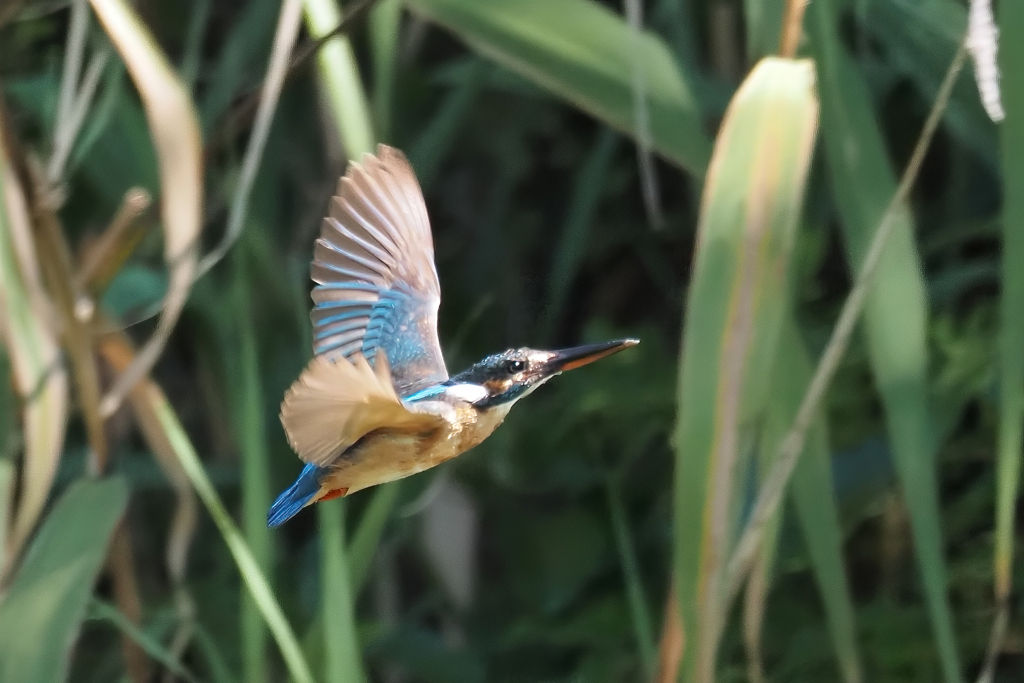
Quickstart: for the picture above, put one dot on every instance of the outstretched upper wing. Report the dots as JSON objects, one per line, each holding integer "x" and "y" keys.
{"x": 377, "y": 286}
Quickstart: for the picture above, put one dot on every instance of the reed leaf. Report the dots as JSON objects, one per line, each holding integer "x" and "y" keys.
{"x": 814, "y": 500}
{"x": 385, "y": 21}
{"x": 896, "y": 312}
{"x": 152, "y": 647}
{"x": 251, "y": 432}
{"x": 43, "y": 610}
{"x": 738, "y": 299}
{"x": 159, "y": 423}
{"x": 582, "y": 52}
{"x": 1011, "y": 340}
{"x": 339, "y": 76}
{"x": 347, "y": 104}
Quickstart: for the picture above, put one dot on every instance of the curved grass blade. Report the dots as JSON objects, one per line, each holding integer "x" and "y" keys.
{"x": 368, "y": 532}
{"x": 39, "y": 375}
{"x": 895, "y": 311}
{"x": 41, "y": 613}
{"x": 738, "y": 299}
{"x": 152, "y": 647}
{"x": 583, "y": 53}
{"x": 571, "y": 246}
{"x": 157, "y": 419}
{"x": 174, "y": 128}
{"x": 755, "y": 599}
{"x": 261, "y": 592}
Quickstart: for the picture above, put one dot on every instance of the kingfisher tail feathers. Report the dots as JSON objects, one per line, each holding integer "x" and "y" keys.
{"x": 335, "y": 403}
{"x": 297, "y": 496}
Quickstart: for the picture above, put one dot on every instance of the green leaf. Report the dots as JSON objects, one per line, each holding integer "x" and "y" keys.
{"x": 41, "y": 613}
{"x": 350, "y": 112}
{"x": 246, "y": 45}
{"x": 339, "y": 74}
{"x": 246, "y": 393}
{"x": 342, "y": 653}
{"x": 896, "y": 312}
{"x": 815, "y": 501}
{"x": 385, "y": 21}
{"x": 1011, "y": 340}
{"x": 583, "y": 53}
{"x": 163, "y": 416}
{"x": 738, "y": 298}
{"x": 152, "y": 646}
{"x": 763, "y": 21}
{"x": 368, "y": 532}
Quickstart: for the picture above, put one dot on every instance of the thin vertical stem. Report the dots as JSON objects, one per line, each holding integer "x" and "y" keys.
{"x": 251, "y": 435}
{"x": 342, "y": 658}
{"x": 792, "y": 27}
{"x": 635, "y": 593}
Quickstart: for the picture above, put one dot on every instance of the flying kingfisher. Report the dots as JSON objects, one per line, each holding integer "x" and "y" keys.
{"x": 376, "y": 404}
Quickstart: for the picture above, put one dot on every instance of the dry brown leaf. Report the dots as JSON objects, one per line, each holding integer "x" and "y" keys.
{"x": 174, "y": 128}
{"x": 31, "y": 338}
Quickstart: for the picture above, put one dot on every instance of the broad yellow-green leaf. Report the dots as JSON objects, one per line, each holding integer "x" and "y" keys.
{"x": 583, "y": 52}
{"x": 896, "y": 312}
{"x": 738, "y": 298}
{"x": 42, "y": 611}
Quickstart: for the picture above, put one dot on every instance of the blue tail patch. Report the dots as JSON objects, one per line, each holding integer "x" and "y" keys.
{"x": 296, "y": 497}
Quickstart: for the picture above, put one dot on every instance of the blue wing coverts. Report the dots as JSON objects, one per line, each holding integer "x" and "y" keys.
{"x": 377, "y": 286}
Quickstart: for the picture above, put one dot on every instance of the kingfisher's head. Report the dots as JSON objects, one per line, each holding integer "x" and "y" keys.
{"x": 509, "y": 376}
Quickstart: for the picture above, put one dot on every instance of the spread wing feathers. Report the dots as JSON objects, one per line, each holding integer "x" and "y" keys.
{"x": 335, "y": 403}
{"x": 374, "y": 266}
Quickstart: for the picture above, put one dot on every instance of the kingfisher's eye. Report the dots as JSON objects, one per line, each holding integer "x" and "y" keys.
{"x": 514, "y": 366}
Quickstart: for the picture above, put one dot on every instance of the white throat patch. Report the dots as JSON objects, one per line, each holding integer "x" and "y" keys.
{"x": 470, "y": 393}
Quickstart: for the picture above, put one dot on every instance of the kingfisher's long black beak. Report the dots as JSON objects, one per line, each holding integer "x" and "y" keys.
{"x": 576, "y": 357}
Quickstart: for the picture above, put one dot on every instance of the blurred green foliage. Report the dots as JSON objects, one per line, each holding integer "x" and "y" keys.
{"x": 541, "y": 240}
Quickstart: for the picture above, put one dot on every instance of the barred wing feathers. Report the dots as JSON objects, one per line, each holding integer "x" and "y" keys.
{"x": 335, "y": 403}
{"x": 377, "y": 287}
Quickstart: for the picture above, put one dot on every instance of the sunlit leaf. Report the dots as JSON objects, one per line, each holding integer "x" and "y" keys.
{"x": 736, "y": 304}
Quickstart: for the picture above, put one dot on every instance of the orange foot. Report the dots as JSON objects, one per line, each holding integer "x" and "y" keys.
{"x": 336, "y": 493}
